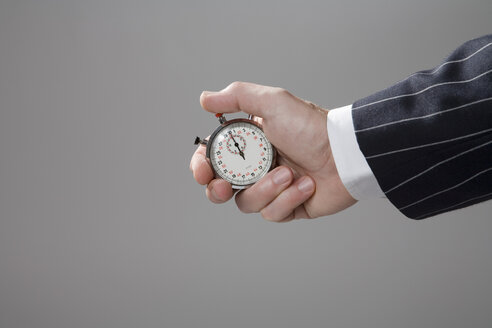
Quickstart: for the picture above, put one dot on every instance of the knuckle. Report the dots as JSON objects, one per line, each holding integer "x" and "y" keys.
{"x": 279, "y": 99}
{"x": 236, "y": 85}
{"x": 281, "y": 92}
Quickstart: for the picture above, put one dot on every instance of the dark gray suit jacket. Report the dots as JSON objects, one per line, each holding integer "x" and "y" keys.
{"x": 428, "y": 138}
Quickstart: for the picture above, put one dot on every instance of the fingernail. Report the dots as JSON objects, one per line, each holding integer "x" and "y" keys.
{"x": 281, "y": 176}
{"x": 306, "y": 185}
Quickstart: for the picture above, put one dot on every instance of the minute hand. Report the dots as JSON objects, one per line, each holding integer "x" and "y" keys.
{"x": 237, "y": 146}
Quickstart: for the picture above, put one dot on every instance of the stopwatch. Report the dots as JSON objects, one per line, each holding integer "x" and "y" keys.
{"x": 239, "y": 152}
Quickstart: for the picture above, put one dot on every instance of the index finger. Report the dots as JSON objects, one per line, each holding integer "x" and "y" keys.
{"x": 255, "y": 99}
{"x": 202, "y": 171}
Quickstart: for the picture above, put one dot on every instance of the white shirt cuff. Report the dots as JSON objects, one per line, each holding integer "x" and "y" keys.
{"x": 351, "y": 164}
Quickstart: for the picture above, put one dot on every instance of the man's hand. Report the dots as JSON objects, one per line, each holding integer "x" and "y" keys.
{"x": 306, "y": 182}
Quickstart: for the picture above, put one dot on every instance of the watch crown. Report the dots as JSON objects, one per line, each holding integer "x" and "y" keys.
{"x": 221, "y": 118}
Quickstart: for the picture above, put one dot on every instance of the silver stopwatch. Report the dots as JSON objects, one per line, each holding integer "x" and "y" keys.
{"x": 239, "y": 152}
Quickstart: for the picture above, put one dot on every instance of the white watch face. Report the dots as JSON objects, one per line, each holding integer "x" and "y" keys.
{"x": 240, "y": 153}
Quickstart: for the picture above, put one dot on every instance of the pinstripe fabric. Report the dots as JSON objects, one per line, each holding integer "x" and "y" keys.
{"x": 428, "y": 138}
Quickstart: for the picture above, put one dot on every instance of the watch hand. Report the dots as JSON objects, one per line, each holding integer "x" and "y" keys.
{"x": 237, "y": 146}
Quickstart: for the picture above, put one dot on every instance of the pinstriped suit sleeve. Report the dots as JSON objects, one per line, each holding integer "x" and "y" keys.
{"x": 428, "y": 138}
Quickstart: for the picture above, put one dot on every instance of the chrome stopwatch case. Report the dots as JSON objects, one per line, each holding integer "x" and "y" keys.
{"x": 239, "y": 152}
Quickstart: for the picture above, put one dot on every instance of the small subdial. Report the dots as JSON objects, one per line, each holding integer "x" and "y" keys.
{"x": 235, "y": 144}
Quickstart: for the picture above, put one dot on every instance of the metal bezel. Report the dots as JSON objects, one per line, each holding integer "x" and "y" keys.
{"x": 222, "y": 126}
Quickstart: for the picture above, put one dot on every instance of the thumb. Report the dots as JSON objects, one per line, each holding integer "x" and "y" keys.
{"x": 255, "y": 99}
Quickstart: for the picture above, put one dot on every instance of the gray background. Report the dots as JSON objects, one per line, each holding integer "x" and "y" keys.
{"x": 102, "y": 225}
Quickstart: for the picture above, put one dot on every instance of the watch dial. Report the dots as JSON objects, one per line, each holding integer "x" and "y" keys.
{"x": 240, "y": 153}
